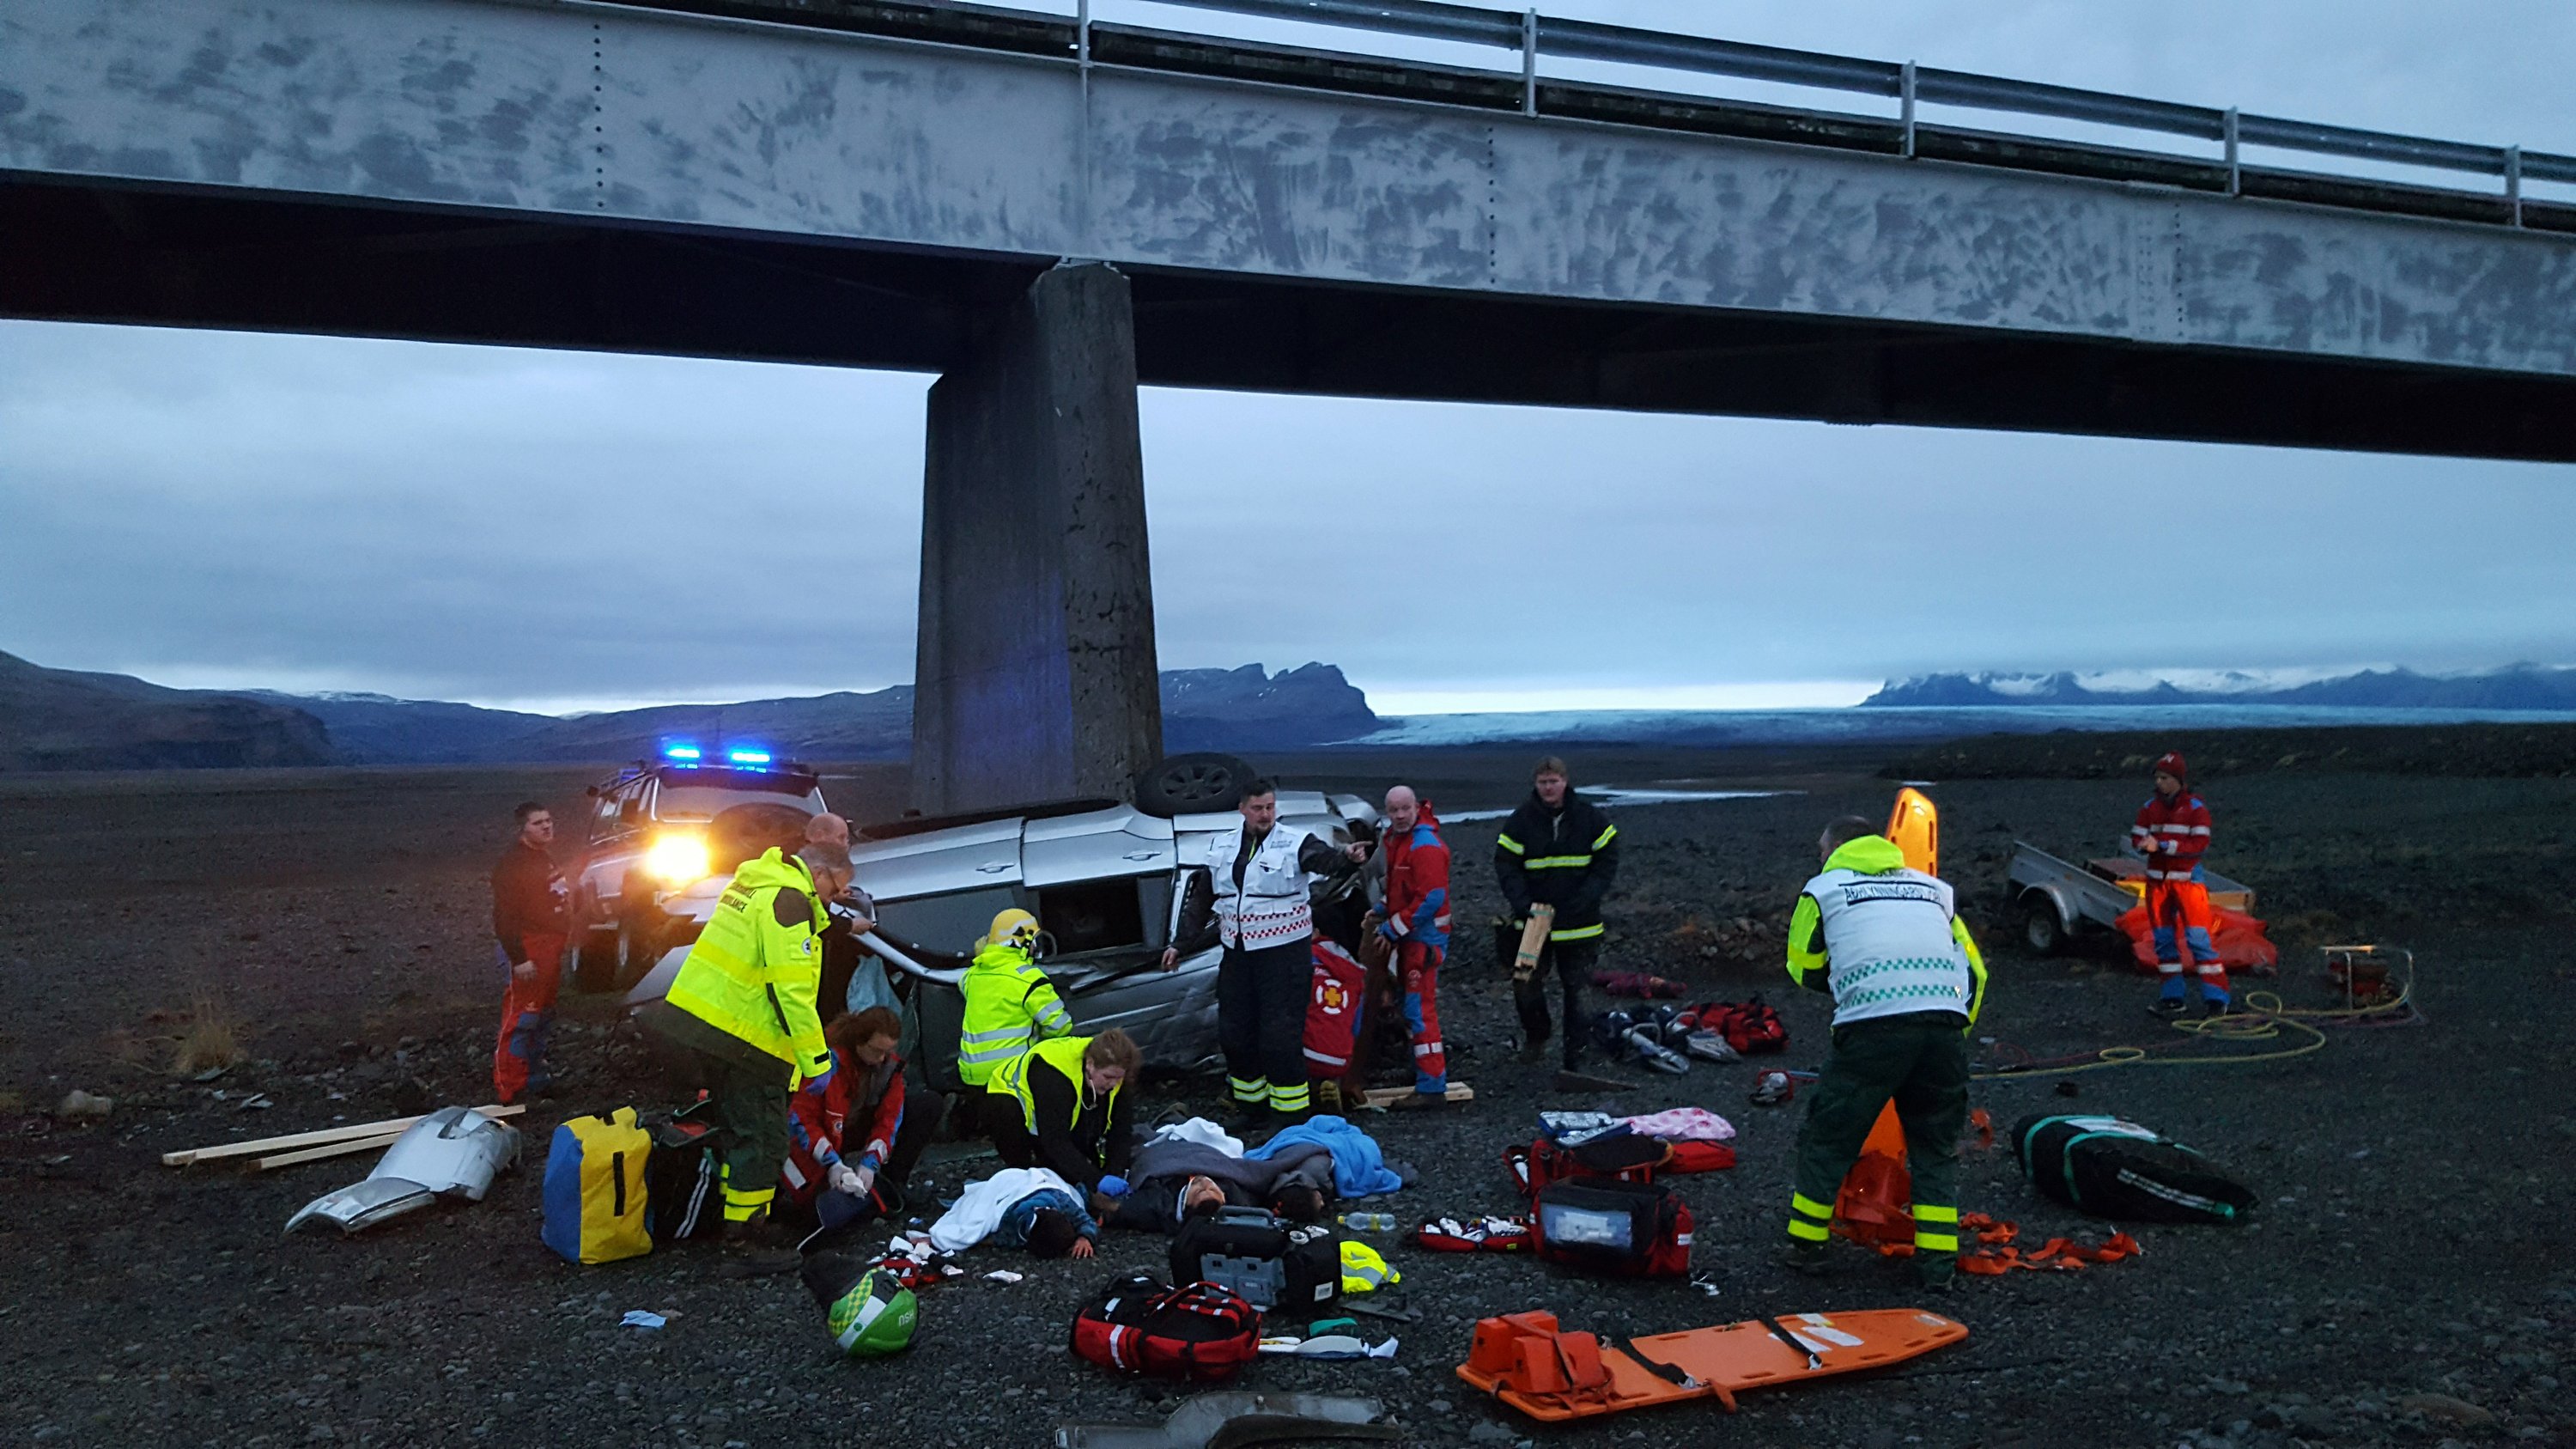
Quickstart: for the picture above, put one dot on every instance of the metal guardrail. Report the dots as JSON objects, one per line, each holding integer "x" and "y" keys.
{"x": 1533, "y": 36}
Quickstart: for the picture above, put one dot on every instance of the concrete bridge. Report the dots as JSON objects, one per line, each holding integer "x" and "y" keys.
{"x": 1047, "y": 212}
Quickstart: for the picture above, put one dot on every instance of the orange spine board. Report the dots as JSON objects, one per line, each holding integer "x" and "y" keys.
{"x": 1525, "y": 1360}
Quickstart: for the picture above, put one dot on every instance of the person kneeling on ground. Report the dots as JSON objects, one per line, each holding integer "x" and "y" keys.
{"x": 1027, "y": 1207}
{"x": 1058, "y": 1106}
{"x": 1176, "y": 1180}
{"x": 826, "y": 1181}
{"x": 1907, "y": 983}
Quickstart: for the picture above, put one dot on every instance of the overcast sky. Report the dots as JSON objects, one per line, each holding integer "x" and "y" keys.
{"x": 518, "y": 527}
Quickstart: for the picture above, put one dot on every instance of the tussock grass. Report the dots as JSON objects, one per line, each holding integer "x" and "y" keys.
{"x": 211, "y": 1037}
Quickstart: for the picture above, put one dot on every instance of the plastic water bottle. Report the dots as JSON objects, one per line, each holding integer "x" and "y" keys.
{"x": 1368, "y": 1222}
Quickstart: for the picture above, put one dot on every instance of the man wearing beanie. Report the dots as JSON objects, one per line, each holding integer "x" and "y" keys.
{"x": 2172, "y": 832}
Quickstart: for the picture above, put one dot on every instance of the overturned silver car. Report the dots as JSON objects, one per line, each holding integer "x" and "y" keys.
{"x": 1104, "y": 879}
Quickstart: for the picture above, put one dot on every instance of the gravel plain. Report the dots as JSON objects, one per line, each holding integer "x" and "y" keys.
{"x": 2406, "y": 1281}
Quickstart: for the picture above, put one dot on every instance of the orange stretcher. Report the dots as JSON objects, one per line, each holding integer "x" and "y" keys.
{"x": 1525, "y": 1360}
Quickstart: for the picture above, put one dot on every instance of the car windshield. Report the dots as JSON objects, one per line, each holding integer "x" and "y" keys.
{"x": 706, "y": 794}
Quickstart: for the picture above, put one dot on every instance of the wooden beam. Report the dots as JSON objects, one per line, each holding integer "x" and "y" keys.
{"x": 327, "y": 1149}
{"x": 351, "y": 1132}
{"x": 1387, "y": 1096}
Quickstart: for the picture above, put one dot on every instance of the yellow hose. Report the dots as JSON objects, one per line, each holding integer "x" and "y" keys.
{"x": 2264, "y": 1018}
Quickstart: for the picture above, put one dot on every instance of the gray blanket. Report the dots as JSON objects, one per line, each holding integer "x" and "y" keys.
{"x": 1259, "y": 1179}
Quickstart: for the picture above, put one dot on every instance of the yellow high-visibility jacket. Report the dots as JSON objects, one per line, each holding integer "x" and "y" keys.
{"x": 756, "y": 969}
{"x": 1010, "y": 1007}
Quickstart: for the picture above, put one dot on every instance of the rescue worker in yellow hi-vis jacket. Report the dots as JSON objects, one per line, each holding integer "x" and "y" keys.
{"x": 740, "y": 1020}
{"x": 1907, "y": 982}
{"x": 1010, "y": 1004}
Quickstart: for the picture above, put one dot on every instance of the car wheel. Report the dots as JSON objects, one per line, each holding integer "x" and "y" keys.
{"x": 1192, "y": 784}
{"x": 635, "y": 953}
{"x": 594, "y": 962}
{"x": 2040, "y": 926}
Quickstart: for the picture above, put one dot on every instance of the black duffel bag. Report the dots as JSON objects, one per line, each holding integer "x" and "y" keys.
{"x": 1271, "y": 1262}
{"x": 2117, "y": 1169}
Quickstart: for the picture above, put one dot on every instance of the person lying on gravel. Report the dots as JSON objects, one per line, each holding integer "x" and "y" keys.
{"x": 1019, "y": 1207}
{"x": 1175, "y": 1180}
{"x": 1907, "y": 982}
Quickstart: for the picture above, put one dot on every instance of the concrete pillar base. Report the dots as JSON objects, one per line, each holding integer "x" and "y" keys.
{"x": 1035, "y": 675}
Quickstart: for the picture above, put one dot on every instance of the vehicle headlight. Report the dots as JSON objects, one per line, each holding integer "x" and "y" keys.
{"x": 677, "y": 859}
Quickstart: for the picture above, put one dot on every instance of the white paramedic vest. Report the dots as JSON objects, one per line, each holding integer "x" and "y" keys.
{"x": 1888, "y": 948}
{"x": 1270, "y": 908}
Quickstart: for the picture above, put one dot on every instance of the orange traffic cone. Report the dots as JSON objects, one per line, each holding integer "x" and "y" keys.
{"x": 1874, "y": 1206}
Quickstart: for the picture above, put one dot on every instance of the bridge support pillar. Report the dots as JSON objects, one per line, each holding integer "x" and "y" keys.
{"x": 1034, "y": 674}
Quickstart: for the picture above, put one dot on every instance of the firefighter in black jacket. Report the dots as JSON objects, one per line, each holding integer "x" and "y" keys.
{"x": 1557, "y": 849}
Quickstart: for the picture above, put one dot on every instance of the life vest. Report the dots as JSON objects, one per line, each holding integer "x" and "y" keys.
{"x": 1063, "y": 1055}
{"x": 753, "y": 978}
{"x": 1270, "y": 907}
{"x": 1010, "y": 1005}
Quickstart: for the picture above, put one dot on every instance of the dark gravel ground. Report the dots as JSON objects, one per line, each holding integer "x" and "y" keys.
{"x": 2405, "y": 1282}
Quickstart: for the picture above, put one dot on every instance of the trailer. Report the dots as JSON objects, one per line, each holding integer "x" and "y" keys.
{"x": 2061, "y": 900}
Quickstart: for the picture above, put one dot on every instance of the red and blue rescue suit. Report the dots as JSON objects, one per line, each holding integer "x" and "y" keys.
{"x": 818, "y": 1121}
{"x": 1417, "y": 921}
{"x": 2173, "y": 833}
{"x": 530, "y": 916}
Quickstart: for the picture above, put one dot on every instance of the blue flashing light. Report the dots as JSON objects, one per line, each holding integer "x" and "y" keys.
{"x": 748, "y": 757}
{"x": 681, "y": 752}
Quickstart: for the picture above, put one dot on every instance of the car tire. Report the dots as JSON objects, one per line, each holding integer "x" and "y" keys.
{"x": 1201, "y": 782}
{"x": 2041, "y": 928}
{"x": 594, "y": 961}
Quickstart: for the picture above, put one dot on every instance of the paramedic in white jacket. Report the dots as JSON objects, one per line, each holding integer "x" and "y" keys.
{"x": 1256, "y": 892}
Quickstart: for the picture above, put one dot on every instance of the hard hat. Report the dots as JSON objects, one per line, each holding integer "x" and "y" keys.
{"x": 1015, "y": 926}
{"x": 1364, "y": 1269}
{"x": 874, "y": 1316}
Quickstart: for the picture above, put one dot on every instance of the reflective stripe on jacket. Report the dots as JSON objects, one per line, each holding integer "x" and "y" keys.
{"x": 754, "y": 976}
{"x": 1270, "y": 907}
{"x": 1010, "y": 1005}
{"x": 1885, "y": 940}
{"x": 1417, "y": 883}
{"x": 2172, "y": 834}
{"x": 1567, "y": 858}
{"x": 1063, "y": 1056}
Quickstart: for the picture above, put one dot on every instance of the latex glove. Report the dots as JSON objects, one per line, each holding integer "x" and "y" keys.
{"x": 1114, "y": 1185}
{"x": 867, "y": 1177}
{"x": 845, "y": 1178}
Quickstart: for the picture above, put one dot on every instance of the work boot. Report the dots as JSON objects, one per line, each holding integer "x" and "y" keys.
{"x": 2168, "y": 1008}
{"x": 1328, "y": 1096}
{"x": 2213, "y": 1006}
{"x": 1936, "y": 1272}
{"x": 1242, "y": 1117}
{"x": 1531, "y": 1053}
{"x": 1800, "y": 1256}
{"x": 752, "y": 1249}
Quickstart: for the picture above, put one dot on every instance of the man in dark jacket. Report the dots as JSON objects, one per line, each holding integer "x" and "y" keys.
{"x": 1559, "y": 850}
{"x": 529, "y": 919}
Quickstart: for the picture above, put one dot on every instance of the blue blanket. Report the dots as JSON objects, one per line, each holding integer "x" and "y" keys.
{"x": 1359, "y": 1169}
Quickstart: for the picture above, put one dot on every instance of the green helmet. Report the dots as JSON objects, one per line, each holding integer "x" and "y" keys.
{"x": 874, "y": 1317}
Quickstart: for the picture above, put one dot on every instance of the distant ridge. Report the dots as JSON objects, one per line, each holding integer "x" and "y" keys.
{"x": 61, "y": 719}
{"x": 2516, "y": 686}
{"x": 64, "y": 719}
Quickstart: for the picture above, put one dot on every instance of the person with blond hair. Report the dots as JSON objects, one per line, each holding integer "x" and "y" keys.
{"x": 1059, "y": 1105}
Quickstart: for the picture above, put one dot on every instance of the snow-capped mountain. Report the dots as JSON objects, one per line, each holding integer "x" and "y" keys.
{"x": 2516, "y": 686}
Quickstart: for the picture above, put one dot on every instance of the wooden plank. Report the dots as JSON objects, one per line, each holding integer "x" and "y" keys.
{"x": 1385, "y": 1096}
{"x": 327, "y": 1149}
{"x": 347, "y": 1133}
